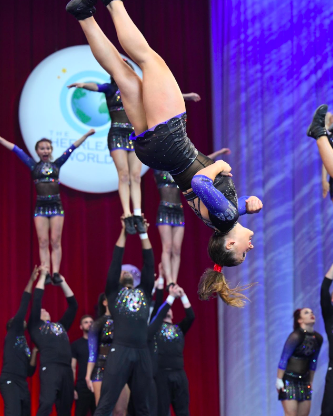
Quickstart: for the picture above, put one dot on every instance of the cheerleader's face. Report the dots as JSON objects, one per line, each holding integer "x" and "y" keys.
{"x": 44, "y": 151}
{"x": 307, "y": 317}
{"x": 239, "y": 240}
{"x": 126, "y": 279}
{"x": 44, "y": 315}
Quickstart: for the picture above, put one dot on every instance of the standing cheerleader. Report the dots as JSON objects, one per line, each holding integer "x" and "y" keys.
{"x": 49, "y": 213}
{"x": 297, "y": 365}
{"x": 157, "y": 104}
{"x": 99, "y": 343}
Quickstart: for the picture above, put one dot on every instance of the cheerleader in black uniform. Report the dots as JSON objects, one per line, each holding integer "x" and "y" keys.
{"x": 297, "y": 365}
{"x": 170, "y": 220}
{"x": 49, "y": 213}
{"x": 156, "y": 109}
{"x": 100, "y": 342}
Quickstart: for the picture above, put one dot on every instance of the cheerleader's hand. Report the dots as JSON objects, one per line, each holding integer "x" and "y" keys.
{"x": 253, "y": 205}
{"x": 225, "y": 167}
{"x": 91, "y": 132}
{"x": 279, "y": 384}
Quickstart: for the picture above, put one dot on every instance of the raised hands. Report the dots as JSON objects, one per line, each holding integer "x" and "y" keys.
{"x": 253, "y": 205}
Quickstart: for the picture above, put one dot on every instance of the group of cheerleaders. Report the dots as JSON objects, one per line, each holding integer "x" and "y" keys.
{"x": 149, "y": 126}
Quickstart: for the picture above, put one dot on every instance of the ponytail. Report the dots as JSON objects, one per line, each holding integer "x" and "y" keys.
{"x": 213, "y": 283}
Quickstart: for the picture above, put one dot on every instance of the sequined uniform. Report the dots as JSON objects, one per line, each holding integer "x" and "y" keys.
{"x": 16, "y": 365}
{"x": 121, "y": 128}
{"x": 129, "y": 360}
{"x": 171, "y": 379}
{"x": 170, "y": 211}
{"x": 100, "y": 341}
{"x": 327, "y": 312}
{"x": 46, "y": 178}
{"x": 56, "y": 376}
{"x": 86, "y": 398}
{"x": 159, "y": 313}
{"x": 167, "y": 147}
{"x": 299, "y": 357}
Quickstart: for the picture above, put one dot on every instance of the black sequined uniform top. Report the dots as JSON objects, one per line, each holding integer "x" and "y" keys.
{"x": 130, "y": 307}
{"x": 300, "y": 352}
{"x": 167, "y": 187}
{"x": 171, "y": 340}
{"x": 16, "y": 353}
{"x": 100, "y": 337}
{"x": 45, "y": 174}
{"x": 51, "y": 337}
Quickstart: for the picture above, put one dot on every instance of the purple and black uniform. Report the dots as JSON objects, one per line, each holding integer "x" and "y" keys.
{"x": 16, "y": 365}
{"x": 100, "y": 342}
{"x": 299, "y": 357}
{"x": 56, "y": 375}
{"x": 170, "y": 211}
{"x": 121, "y": 128}
{"x": 166, "y": 147}
{"x": 46, "y": 178}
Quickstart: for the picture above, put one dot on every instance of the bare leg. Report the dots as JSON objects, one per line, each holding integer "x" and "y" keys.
{"x": 177, "y": 240}
{"x": 97, "y": 390}
{"x": 304, "y": 408}
{"x": 122, "y": 403}
{"x": 121, "y": 162}
{"x": 326, "y": 153}
{"x": 56, "y": 224}
{"x": 166, "y": 239}
{"x": 162, "y": 97}
{"x": 127, "y": 80}
{"x": 290, "y": 407}
{"x": 135, "y": 179}
{"x": 42, "y": 225}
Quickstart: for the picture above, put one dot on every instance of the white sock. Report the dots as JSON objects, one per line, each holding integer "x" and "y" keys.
{"x": 137, "y": 211}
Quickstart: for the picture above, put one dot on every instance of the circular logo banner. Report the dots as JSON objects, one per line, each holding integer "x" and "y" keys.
{"x": 49, "y": 109}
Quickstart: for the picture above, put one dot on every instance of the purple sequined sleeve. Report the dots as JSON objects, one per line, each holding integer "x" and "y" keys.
{"x": 216, "y": 203}
{"x": 293, "y": 340}
{"x": 27, "y": 160}
{"x": 92, "y": 345}
{"x": 105, "y": 88}
{"x": 63, "y": 158}
{"x": 242, "y": 204}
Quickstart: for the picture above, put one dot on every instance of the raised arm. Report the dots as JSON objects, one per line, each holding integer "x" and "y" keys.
{"x": 156, "y": 323}
{"x": 69, "y": 316}
{"x": 27, "y": 160}
{"x": 325, "y": 296}
{"x": 148, "y": 269}
{"x": 191, "y": 96}
{"x": 37, "y": 299}
{"x": 187, "y": 322}
{"x": 114, "y": 272}
{"x": 90, "y": 86}
{"x": 159, "y": 285}
{"x": 223, "y": 151}
{"x": 18, "y": 319}
{"x": 66, "y": 154}
{"x": 324, "y": 182}
{"x": 8, "y": 145}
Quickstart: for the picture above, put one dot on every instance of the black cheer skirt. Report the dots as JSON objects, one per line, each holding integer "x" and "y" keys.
{"x": 48, "y": 206}
{"x": 170, "y": 214}
{"x": 296, "y": 387}
{"x": 119, "y": 137}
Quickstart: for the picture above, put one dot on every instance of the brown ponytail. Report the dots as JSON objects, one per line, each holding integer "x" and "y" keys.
{"x": 213, "y": 283}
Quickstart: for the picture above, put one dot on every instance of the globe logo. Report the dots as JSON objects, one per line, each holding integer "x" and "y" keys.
{"x": 49, "y": 109}
{"x": 90, "y": 108}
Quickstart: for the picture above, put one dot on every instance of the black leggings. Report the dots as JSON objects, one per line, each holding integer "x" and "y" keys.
{"x": 172, "y": 389}
{"x": 56, "y": 387}
{"x": 85, "y": 402}
{"x": 327, "y": 403}
{"x": 130, "y": 366}
{"x": 16, "y": 396}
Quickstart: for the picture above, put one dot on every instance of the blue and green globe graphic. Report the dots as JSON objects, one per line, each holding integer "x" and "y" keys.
{"x": 90, "y": 107}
